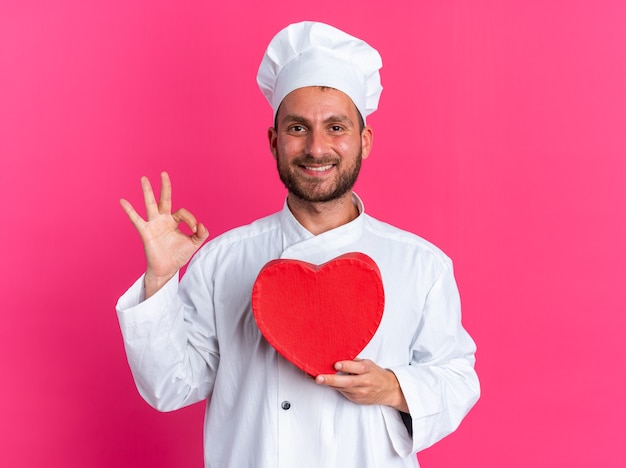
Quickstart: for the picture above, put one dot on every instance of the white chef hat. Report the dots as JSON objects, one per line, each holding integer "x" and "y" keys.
{"x": 316, "y": 54}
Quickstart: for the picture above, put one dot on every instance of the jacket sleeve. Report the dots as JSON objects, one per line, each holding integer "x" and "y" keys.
{"x": 170, "y": 340}
{"x": 440, "y": 384}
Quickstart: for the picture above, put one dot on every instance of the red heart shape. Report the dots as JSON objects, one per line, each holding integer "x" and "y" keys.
{"x": 316, "y": 315}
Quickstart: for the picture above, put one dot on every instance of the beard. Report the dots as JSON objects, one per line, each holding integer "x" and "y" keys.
{"x": 308, "y": 189}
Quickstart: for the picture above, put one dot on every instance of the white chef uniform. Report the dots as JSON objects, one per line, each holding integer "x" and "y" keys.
{"x": 198, "y": 340}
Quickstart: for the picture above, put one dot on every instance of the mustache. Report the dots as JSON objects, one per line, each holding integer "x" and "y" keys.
{"x": 310, "y": 160}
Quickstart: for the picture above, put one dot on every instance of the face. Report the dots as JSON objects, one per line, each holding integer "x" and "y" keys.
{"x": 318, "y": 145}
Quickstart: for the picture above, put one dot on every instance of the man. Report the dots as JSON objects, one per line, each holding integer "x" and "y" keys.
{"x": 411, "y": 385}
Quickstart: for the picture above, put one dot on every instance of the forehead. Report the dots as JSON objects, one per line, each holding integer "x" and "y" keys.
{"x": 317, "y": 102}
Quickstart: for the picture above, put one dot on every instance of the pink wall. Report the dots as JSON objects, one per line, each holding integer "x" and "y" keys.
{"x": 501, "y": 137}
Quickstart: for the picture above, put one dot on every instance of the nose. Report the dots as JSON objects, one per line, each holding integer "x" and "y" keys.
{"x": 317, "y": 144}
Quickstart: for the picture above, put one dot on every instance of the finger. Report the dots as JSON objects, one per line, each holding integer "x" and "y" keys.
{"x": 152, "y": 209}
{"x": 357, "y": 366}
{"x": 165, "y": 199}
{"x": 335, "y": 380}
{"x": 200, "y": 235}
{"x": 132, "y": 213}
{"x": 183, "y": 216}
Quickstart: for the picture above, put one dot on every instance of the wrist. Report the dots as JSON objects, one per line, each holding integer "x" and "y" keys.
{"x": 153, "y": 283}
{"x": 396, "y": 396}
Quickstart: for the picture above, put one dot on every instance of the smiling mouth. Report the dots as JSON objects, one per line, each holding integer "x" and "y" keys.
{"x": 318, "y": 168}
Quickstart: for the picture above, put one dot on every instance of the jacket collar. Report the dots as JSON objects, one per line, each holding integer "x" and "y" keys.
{"x": 300, "y": 244}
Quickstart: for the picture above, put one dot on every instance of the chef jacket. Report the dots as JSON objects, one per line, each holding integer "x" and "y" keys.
{"x": 198, "y": 340}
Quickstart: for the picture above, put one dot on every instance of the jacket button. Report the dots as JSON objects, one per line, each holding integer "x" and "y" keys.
{"x": 285, "y": 405}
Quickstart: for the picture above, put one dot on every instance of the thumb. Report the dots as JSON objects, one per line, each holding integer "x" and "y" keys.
{"x": 200, "y": 235}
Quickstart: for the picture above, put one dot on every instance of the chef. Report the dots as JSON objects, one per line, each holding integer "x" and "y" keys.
{"x": 197, "y": 339}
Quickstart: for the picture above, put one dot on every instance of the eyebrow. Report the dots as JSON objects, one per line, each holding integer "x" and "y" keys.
{"x": 296, "y": 118}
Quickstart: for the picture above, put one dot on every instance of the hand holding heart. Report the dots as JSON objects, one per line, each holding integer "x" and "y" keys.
{"x": 365, "y": 383}
{"x": 316, "y": 314}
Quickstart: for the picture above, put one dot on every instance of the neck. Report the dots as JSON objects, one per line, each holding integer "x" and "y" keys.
{"x": 319, "y": 217}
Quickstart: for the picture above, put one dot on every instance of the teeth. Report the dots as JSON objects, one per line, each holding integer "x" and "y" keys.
{"x": 318, "y": 169}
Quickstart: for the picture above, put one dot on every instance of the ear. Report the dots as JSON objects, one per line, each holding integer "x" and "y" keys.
{"x": 272, "y": 137}
{"x": 367, "y": 139}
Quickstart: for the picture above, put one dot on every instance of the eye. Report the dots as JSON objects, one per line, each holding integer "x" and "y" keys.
{"x": 296, "y": 129}
{"x": 336, "y": 128}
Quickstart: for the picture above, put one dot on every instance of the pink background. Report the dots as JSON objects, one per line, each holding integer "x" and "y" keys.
{"x": 501, "y": 137}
